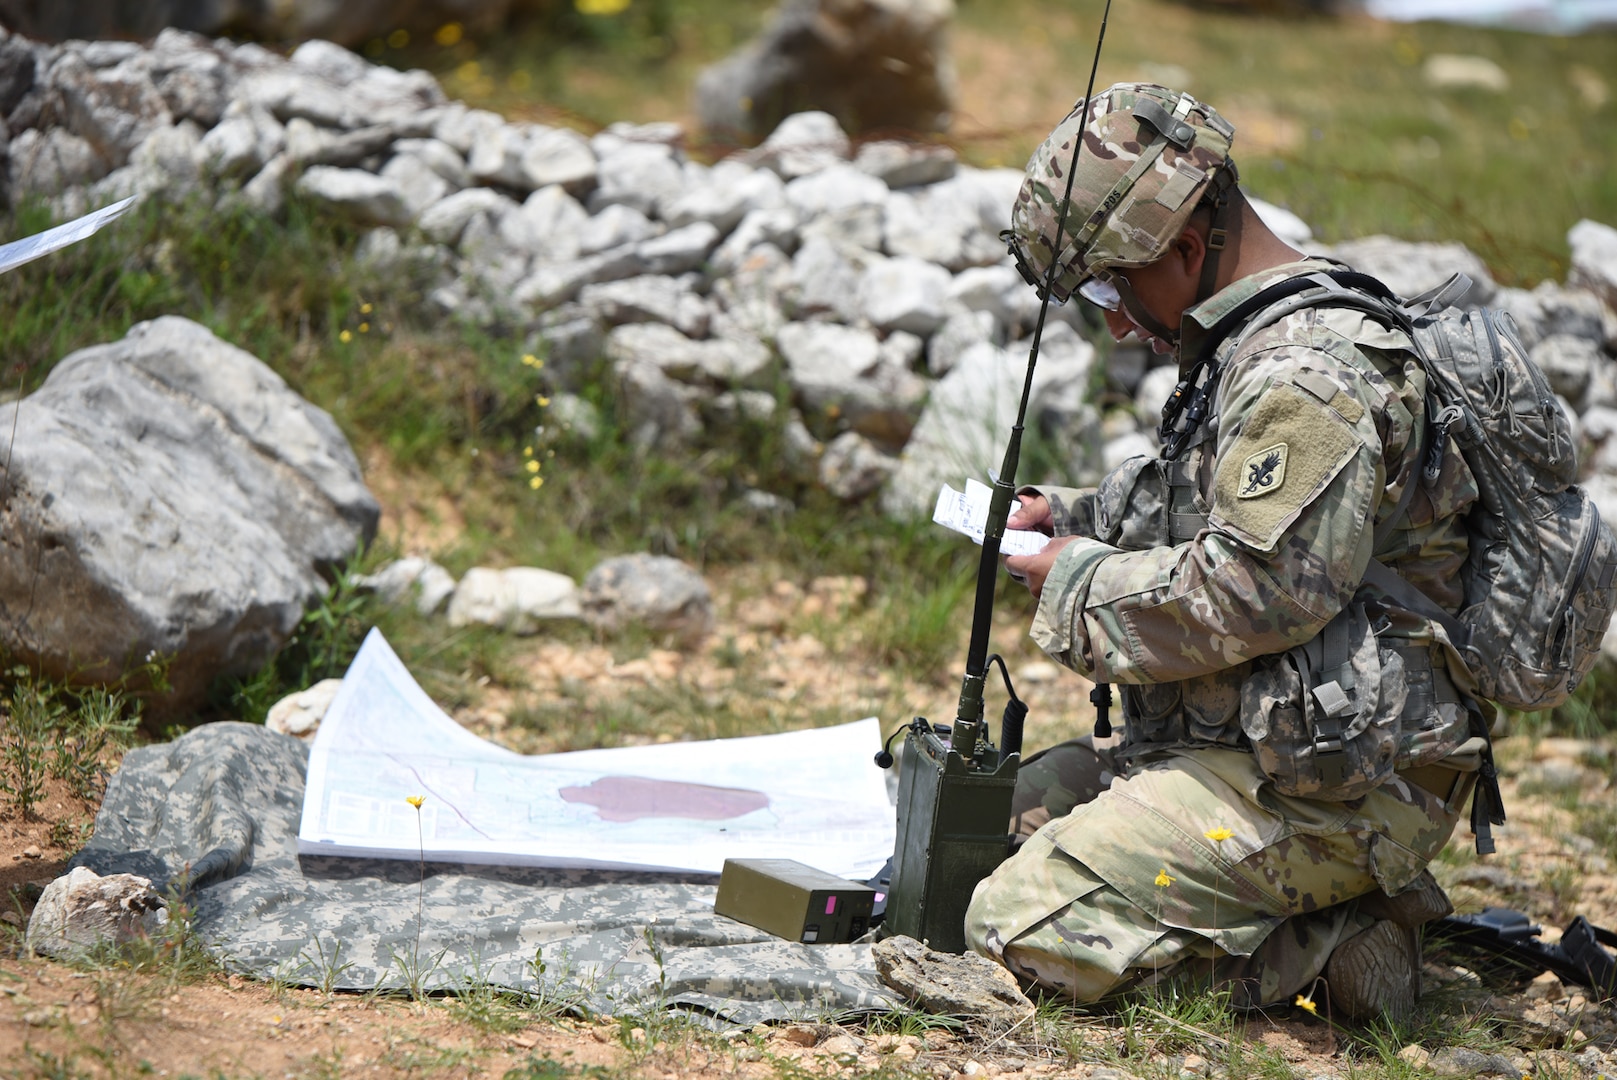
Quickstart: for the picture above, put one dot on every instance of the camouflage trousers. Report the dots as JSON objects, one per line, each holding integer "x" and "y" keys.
{"x": 1191, "y": 867}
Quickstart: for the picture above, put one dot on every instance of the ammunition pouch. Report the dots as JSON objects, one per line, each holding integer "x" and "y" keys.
{"x": 1325, "y": 719}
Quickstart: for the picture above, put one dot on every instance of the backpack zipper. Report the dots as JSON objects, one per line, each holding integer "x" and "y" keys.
{"x": 1584, "y": 556}
{"x": 1546, "y": 397}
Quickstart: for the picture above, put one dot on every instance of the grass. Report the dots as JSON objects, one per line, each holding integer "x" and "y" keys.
{"x": 1356, "y": 146}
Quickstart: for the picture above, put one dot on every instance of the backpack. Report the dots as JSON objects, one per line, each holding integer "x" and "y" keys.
{"x": 1539, "y": 576}
{"x": 1539, "y": 580}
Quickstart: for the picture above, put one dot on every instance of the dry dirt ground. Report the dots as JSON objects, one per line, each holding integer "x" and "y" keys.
{"x": 58, "y": 1020}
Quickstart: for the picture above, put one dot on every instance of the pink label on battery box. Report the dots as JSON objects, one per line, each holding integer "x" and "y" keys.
{"x": 830, "y": 905}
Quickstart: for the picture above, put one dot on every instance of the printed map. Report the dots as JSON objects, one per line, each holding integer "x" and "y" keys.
{"x": 813, "y": 795}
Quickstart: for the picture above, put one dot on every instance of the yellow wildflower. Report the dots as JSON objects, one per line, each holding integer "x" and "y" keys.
{"x": 1163, "y": 880}
{"x": 399, "y": 38}
{"x": 1218, "y": 835}
{"x": 1306, "y": 1003}
{"x": 536, "y": 483}
{"x": 600, "y": 7}
{"x": 527, "y": 451}
{"x": 533, "y": 466}
{"x": 415, "y": 800}
{"x": 345, "y": 337}
{"x": 364, "y": 328}
{"x": 543, "y": 401}
{"x": 365, "y": 308}
{"x": 448, "y": 34}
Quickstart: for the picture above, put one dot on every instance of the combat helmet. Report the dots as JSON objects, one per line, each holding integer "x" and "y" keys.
{"x": 1151, "y": 156}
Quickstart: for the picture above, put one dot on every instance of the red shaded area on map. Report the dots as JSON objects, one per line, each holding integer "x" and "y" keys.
{"x": 630, "y": 798}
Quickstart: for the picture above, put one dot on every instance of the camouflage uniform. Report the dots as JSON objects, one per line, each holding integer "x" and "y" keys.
{"x": 1191, "y": 580}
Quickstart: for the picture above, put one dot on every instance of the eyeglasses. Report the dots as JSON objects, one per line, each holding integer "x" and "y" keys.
{"x": 1099, "y": 289}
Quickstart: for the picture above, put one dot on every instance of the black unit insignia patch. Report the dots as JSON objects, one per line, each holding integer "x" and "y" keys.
{"x": 1263, "y": 472}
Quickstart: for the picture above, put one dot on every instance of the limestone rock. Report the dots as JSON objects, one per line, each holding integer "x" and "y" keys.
{"x": 722, "y": 362}
{"x": 968, "y": 986}
{"x": 838, "y": 374}
{"x": 648, "y": 299}
{"x": 803, "y": 143}
{"x": 1594, "y": 259}
{"x": 1462, "y": 1061}
{"x": 1409, "y": 269}
{"x": 514, "y": 600}
{"x": 445, "y": 220}
{"x": 654, "y": 591}
{"x": 170, "y": 496}
{"x": 969, "y": 413}
{"x": 47, "y": 162}
{"x": 729, "y": 192}
{"x": 557, "y": 156}
{"x": 641, "y": 175}
{"x": 614, "y": 227}
{"x": 681, "y": 250}
{"x": 852, "y": 467}
{"x": 413, "y": 576}
{"x": 113, "y": 110}
{"x": 661, "y": 412}
{"x": 1569, "y": 363}
{"x": 873, "y": 64}
{"x": 901, "y": 164}
{"x": 299, "y": 714}
{"x": 904, "y": 294}
{"x": 366, "y": 197}
{"x": 81, "y": 910}
{"x": 1551, "y": 308}
{"x": 1447, "y": 71}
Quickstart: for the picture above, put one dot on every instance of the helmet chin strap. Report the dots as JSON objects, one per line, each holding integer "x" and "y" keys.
{"x": 1218, "y": 230}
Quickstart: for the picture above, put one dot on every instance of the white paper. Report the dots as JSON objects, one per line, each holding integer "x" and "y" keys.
{"x": 29, "y": 248}
{"x": 967, "y": 512}
{"x": 814, "y": 796}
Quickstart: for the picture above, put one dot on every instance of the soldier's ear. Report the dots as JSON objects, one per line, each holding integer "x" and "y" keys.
{"x": 1190, "y": 251}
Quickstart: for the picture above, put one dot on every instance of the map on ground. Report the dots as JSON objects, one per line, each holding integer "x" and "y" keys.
{"x": 813, "y": 795}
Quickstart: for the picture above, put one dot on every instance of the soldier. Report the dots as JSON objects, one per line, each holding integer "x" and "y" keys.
{"x": 1293, "y": 752}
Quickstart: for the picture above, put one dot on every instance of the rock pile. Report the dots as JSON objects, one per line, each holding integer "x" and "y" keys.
{"x": 870, "y": 278}
{"x": 867, "y": 278}
{"x": 264, "y": 20}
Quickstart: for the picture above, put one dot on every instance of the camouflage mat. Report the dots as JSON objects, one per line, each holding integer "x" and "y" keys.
{"x": 215, "y": 814}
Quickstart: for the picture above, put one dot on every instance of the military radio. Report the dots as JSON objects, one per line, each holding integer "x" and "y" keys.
{"x": 955, "y": 787}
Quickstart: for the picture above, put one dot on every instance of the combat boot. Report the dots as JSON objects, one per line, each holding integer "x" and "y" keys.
{"x": 1376, "y": 973}
{"x": 1422, "y": 902}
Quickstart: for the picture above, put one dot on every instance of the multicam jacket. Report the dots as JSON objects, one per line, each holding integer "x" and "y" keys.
{"x": 1192, "y": 576}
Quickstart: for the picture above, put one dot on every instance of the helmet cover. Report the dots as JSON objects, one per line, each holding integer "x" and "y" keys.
{"x": 1136, "y": 184}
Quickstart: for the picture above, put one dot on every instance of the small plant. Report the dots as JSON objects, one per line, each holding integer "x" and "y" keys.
{"x": 547, "y": 1068}
{"x": 327, "y": 970}
{"x": 105, "y": 718}
{"x": 485, "y": 1006}
{"x": 35, "y": 713}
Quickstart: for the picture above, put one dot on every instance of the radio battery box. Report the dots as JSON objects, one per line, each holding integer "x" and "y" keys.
{"x": 794, "y": 901}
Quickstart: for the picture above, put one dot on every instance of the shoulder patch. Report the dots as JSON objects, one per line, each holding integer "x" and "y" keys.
{"x": 1290, "y": 447}
{"x": 1263, "y": 472}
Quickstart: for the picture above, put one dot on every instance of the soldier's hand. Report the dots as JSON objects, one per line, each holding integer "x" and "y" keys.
{"x": 1032, "y": 512}
{"x": 1031, "y": 570}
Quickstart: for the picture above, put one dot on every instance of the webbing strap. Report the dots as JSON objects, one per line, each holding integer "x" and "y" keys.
{"x": 1410, "y": 598}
